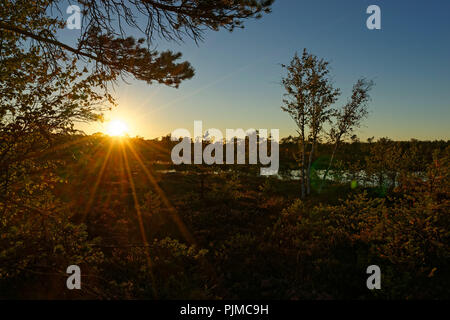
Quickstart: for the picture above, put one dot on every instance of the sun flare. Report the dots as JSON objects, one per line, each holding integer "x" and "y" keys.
{"x": 117, "y": 128}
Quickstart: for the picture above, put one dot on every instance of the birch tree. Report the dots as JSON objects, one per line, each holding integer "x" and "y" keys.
{"x": 309, "y": 97}
{"x": 349, "y": 117}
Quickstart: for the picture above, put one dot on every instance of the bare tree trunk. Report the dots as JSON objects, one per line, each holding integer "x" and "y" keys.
{"x": 308, "y": 178}
{"x": 303, "y": 168}
{"x": 328, "y": 168}
{"x": 393, "y": 179}
{"x": 380, "y": 179}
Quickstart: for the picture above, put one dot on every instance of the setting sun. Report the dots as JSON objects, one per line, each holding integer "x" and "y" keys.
{"x": 117, "y": 128}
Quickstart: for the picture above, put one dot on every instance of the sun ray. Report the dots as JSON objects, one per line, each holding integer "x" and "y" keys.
{"x": 135, "y": 199}
{"x": 174, "y": 214}
{"x": 139, "y": 215}
{"x": 60, "y": 146}
{"x": 87, "y": 170}
{"x": 97, "y": 182}
{"x": 155, "y": 146}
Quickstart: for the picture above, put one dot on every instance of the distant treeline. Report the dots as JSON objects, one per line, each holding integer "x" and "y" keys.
{"x": 420, "y": 153}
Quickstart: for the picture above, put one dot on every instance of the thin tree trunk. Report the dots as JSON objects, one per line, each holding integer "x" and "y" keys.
{"x": 329, "y": 166}
{"x": 393, "y": 179}
{"x": 303, "y": 169}
{"x": 308, "y": 178}
{"x": 380, "y": 179}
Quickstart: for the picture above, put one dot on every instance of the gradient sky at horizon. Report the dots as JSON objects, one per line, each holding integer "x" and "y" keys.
{"x": 237, "y": 81}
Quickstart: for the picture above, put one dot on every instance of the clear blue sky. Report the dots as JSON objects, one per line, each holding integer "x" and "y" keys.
{"x": 237, "y": 82}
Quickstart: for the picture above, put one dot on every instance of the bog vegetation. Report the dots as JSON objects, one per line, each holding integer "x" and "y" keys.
{"x": 140, "y": 227}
